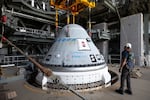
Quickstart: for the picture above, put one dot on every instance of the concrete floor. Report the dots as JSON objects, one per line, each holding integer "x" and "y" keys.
{"x": 140, "y": 86}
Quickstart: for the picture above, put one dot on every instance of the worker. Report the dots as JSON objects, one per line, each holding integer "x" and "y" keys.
{"x": 126, "y": 66}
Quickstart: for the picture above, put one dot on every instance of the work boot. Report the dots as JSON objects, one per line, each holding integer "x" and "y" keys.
{"x": 128, "y": 92}
{"x": 119, "y": 91}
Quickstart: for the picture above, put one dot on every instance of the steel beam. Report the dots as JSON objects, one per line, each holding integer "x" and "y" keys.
{"x": 30, "y": 17}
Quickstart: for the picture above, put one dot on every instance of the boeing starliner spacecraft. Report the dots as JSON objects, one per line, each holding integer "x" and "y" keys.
{"x": 76, "y": 60}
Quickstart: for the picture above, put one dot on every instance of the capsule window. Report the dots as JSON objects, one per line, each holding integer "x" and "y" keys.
{"x": 98, "y": 56}
{"x": 47, "y": 59}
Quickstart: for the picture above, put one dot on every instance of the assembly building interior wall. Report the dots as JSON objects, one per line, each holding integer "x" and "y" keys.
{"x": 132, "y": 32}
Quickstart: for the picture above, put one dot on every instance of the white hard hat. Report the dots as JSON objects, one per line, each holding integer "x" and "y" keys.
{"x": 128, "y": 45}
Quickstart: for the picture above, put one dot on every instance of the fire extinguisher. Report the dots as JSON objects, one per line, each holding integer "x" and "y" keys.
{"x": 4, "y": 19}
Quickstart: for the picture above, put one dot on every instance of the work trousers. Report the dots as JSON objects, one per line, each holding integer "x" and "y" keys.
{"x": 125, "y": 75}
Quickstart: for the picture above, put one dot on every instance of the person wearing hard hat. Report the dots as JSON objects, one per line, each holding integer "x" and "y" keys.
{"x": 126, "y": 66}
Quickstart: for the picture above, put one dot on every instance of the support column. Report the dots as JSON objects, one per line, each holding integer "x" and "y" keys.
{"x": 146, "y": 38}
{"x": 146, "y": 33}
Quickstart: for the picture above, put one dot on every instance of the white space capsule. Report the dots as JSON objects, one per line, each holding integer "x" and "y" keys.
{"x": 75, "y": 59}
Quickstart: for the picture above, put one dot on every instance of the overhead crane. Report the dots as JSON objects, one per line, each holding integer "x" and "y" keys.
{"x": 73, "y": 7}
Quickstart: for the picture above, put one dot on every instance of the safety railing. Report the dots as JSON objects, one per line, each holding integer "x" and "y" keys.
{"x": 19, "y": 59}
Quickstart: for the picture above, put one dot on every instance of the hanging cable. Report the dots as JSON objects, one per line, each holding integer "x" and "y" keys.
{"x": 73, "y": 15}
{"x": 89, "y": 24}
{"x": 68, "y": 16}
{"x": 56, "y": 22}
